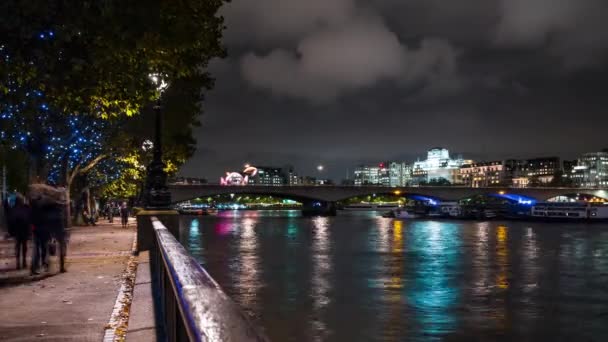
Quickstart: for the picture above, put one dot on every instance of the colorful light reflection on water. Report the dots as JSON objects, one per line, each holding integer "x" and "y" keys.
{"x": 360, "y": 277}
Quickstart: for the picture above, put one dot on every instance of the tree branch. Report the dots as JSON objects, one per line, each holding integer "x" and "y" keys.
{"x": 92, "y": 163}
{"x": 84, "y": 169}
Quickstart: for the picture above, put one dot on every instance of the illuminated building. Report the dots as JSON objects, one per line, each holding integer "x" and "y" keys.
{"x": 532, "y": 172}
{"x": 438, "y": 167}
{"x": 541, "y": 170}
{"x": 385, "y": 174}
{"x": 269, "y": 176}
{"x": 591, "y": 170}
{"x": 400, "y": 174}
{"x": 367, "y": 175}
{"x": 485, "y": 174}
{"x": 290, "y": 176}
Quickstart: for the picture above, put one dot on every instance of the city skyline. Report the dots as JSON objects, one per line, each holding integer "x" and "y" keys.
{"x": 329, "y": 171}
{"x": 490, "y": 79}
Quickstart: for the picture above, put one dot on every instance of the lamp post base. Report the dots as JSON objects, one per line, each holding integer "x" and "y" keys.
{"x": 157, "y": 195}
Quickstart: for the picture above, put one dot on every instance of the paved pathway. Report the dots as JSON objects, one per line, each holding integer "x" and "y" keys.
{"x": 72, "y": 306}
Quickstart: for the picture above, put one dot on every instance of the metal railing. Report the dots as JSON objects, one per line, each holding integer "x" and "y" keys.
{"x": 192, "y": 305}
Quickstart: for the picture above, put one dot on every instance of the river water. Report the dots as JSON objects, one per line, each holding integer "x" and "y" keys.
{"x": 360, "y": 277}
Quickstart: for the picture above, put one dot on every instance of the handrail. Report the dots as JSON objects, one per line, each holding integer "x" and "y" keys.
{"x": 204, "y": 311}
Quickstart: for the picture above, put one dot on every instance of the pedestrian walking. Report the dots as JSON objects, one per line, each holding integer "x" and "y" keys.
{"x": 110, "y": 212}
{"x": 124, "y": 214}
{"x": 19, "y": 227}
{"x": 48, "y": 213}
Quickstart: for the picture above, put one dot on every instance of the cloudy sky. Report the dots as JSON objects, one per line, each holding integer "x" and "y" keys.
{"x": 340, "y": 82}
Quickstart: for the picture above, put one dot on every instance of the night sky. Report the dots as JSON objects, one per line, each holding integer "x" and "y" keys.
{"x": 340, "y": 82}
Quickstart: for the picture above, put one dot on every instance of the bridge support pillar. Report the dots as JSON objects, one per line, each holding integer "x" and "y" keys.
{"x": 319, "y": 208}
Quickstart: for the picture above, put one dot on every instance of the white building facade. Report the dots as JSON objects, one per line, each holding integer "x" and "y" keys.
{"x": 437, "y": 167}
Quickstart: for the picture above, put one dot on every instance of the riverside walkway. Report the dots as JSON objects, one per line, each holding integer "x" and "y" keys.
{"x": 79, "y": 305}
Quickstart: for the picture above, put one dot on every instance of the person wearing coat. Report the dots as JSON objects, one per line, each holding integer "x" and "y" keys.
{"x": 48, "y": 216}
{"x": 20, "y": 221}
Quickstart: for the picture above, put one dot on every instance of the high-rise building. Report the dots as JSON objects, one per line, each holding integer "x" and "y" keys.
{"x": 367, "y": 175}
{"x": 591, "y": 170}
{"x": 384, "y": 174}
{"x": 438, "y": 167}
{"x": 390, "y": 173}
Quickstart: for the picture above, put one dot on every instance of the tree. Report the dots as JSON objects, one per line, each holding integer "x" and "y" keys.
{"x": 91, "y": 59}
{"x": 94, "y": 57}
{"x": 180, "y": 104}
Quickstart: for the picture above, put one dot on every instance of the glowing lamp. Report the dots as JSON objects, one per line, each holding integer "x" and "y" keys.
{"x": 159, "y": 81}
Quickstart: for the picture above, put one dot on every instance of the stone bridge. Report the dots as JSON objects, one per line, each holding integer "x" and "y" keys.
{"x": 332, "y": 194}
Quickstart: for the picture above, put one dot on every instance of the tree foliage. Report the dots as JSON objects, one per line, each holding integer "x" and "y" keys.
{"x": 90, "y": 60}
{"x": 94, "y": 56}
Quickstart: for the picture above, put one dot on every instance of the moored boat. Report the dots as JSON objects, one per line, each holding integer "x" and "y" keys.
{"x": 569, "y": 211}
{"x": 402, "y": 213}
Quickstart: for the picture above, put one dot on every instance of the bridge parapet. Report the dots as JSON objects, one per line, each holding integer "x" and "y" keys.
{"x": 326, "y": 193}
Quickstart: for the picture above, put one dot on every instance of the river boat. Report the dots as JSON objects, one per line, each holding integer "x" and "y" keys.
{"x": 193, "y": 211}
{"x": 569, "y": 211}
{"x": 401, "y": 213}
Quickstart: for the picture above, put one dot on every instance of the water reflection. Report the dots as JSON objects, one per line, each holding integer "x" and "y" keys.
{"x": 502, "y": 257}
{"x": 383, "y": 227}
{"x": 434, "y": 292}
{"x": 194, "y": 244}
{"x": 393, "y": 285}
{"x": 530, "y": 278}
{"x": 481, "y": 259}
{"x": 363, "y": 278}
{"x": 321, "y": 270}
{"x": 248, "y": 278}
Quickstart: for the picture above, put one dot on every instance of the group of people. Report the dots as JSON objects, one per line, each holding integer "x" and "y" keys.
{"x": 40, "y": 215}
{"x": 123, "y": 210}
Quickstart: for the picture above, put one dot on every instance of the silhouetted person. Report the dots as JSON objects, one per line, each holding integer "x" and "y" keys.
{"x": 48, "y": 206}
{"x": 110, "y": 212}
{"x": 19, "y": 222}
{"x": 124, "y": 214}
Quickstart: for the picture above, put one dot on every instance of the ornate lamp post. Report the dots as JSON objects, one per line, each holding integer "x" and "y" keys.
{"x": 156, "y": 194}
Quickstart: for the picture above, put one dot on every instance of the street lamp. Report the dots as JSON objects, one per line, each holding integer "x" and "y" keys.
{"x": 157, "y": 195}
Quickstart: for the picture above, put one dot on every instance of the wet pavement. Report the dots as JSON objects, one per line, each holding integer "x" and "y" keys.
{"x": 72, "y": 306}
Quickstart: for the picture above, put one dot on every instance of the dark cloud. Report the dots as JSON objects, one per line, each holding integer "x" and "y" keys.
{"x": 574, "y": 30}
{"x": 343, "y": 81}
{"x": 355, "y": 54}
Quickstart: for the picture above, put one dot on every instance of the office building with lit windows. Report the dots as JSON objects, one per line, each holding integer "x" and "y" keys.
{"x": 391, "y": 173}
{"x": 481, "y": 175}
{"x": 267, "y": 175}
{"x": 367, "y": 175}
{"x": 591, "y": 170}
